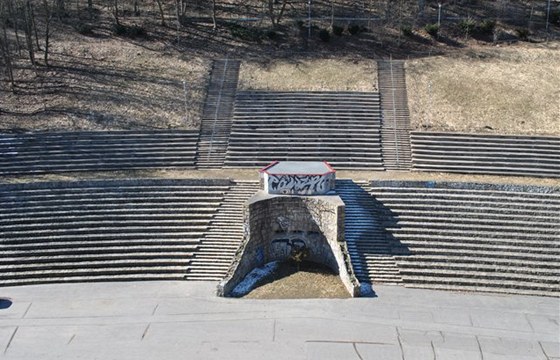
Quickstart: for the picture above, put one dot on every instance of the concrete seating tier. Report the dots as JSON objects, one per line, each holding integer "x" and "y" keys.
{"x": 104, "y": 230}
{"x": 486, "y": 154}
{"x": 35, "y": 153}
{"x": 483, "y": 237}
{"x": 340, "y": 127}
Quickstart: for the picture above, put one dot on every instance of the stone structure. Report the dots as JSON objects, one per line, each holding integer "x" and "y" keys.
{"x": 276, "y": 225}
{"x": 298, "y": 178}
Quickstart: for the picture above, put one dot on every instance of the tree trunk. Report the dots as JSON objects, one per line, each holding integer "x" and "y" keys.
{"x": 421, "y": 8}
{"x": 14, "y": 17}
{"x": 271, "y": 12}
{"x": 183, "y": 7}
{"x": 116, "y": 11}
{"x": 48, "y": 18}
{"x": 214, "y": 23}
{"x": 35, "y": 29}
{"x": 332, "y": 14}
{"x": 161, "y": 12}
{"x": 282, "y": 9}
{"x": 7, "y": 56}
{"x": 60, "y": 9}
{"x": 275, "y": 19}
{"x": 29, "y": 32}
{"x": 178, "y": 13}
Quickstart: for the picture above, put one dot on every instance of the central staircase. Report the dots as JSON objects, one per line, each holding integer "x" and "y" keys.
{"x": 216, "y": 118}
{"x": 395, "y": 129}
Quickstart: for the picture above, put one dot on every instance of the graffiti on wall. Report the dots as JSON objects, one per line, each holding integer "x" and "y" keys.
{"x": 293, "y": 246}
{"x": 302, "y": 185}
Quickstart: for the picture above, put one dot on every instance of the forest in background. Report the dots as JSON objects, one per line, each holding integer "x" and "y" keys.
{"x": 121, "y": 64}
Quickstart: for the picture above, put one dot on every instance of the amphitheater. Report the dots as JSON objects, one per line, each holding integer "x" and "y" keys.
{"x": 484, "y": 246}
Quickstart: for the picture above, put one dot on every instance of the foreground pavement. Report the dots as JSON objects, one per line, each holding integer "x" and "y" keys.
{"x": 185, "y": 320}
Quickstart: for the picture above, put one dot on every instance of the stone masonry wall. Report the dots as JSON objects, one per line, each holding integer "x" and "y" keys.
{"x": 271, "y": 220}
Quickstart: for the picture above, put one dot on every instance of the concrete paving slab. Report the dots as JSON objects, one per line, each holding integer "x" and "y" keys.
{"x": 331, "y": 351}
{"x": 16, "y": 310}
{"x": 91, "y": 308}
{"x": 551, "y": 348}
{"x": 452, "y": 316}
{"x": 6, "y": 334}
{"x": 457, "y": 346}
{"x": 495, "y": 347}
{"x": 544, "y": 323}
{"x": 246, "y": 330}
{"x": 417, "y": 316}
{"x": 417, "y": 352}
{"x": 320, "y": 329}
{"x": 37, "y": 342}
{"x": 501, "y": 320}
{"x": 173, "y": 320}
{"x": 378, "y": 351}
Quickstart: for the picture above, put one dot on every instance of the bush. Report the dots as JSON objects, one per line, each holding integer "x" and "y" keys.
{"x": 467, "y": 26}
{"x": 244, "y": 33}
{"x": 432, "y": 29}
{"x": 337, "y": 30}
{"x": 522, "y": 33}
{"x": 271, "y": 34}
{"x": 354, "y": 29}
{"x": 324, "y": 35}
{"x": 555, "y": 17}
{"x": 486, "y": 27}
{"x": 406, "y": 30}
{"x": 84, "y": 29}
{"x": 132, "y": 31}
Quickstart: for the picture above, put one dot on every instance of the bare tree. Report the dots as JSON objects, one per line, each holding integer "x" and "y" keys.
{"x": 162, "y": 15}
{"x": 5, "y": 47}
{"x": 116, "y": 11}
{"x": 13, "y": 14}
{"x": 29, "y": 32}
{"x": 60, "y": 8}
{"x": 275, "y": 12}
{"x": 421, "y": 8}
{"x": 214, "y": 23}
{"x": 178, "y": 13}
{"x": 48, "y": 18}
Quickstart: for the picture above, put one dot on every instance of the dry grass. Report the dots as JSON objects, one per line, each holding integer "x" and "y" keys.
{"x": 252, "y": 174}
{"x": 510, "y": 90}
{"x": 310, "y": 75}
{"x": 109, "y": 83}
{"x": 310, "y": 282}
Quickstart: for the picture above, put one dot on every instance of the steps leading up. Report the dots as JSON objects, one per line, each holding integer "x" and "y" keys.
{"x": 395, "y": 130}
{"x": 342, "y": 128}
{"x": 104, "y": 230}
{"x": 218, "y": 111}
{"x": 225, "y": 233}
{"x": 486, "y": 154}
{"x": 51, "y": 152}
{"x": 461, "y": 236}
{"x": 368, "y": 244}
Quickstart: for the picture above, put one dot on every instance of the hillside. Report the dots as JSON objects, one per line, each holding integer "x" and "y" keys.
{"x": 136, "y": 73}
